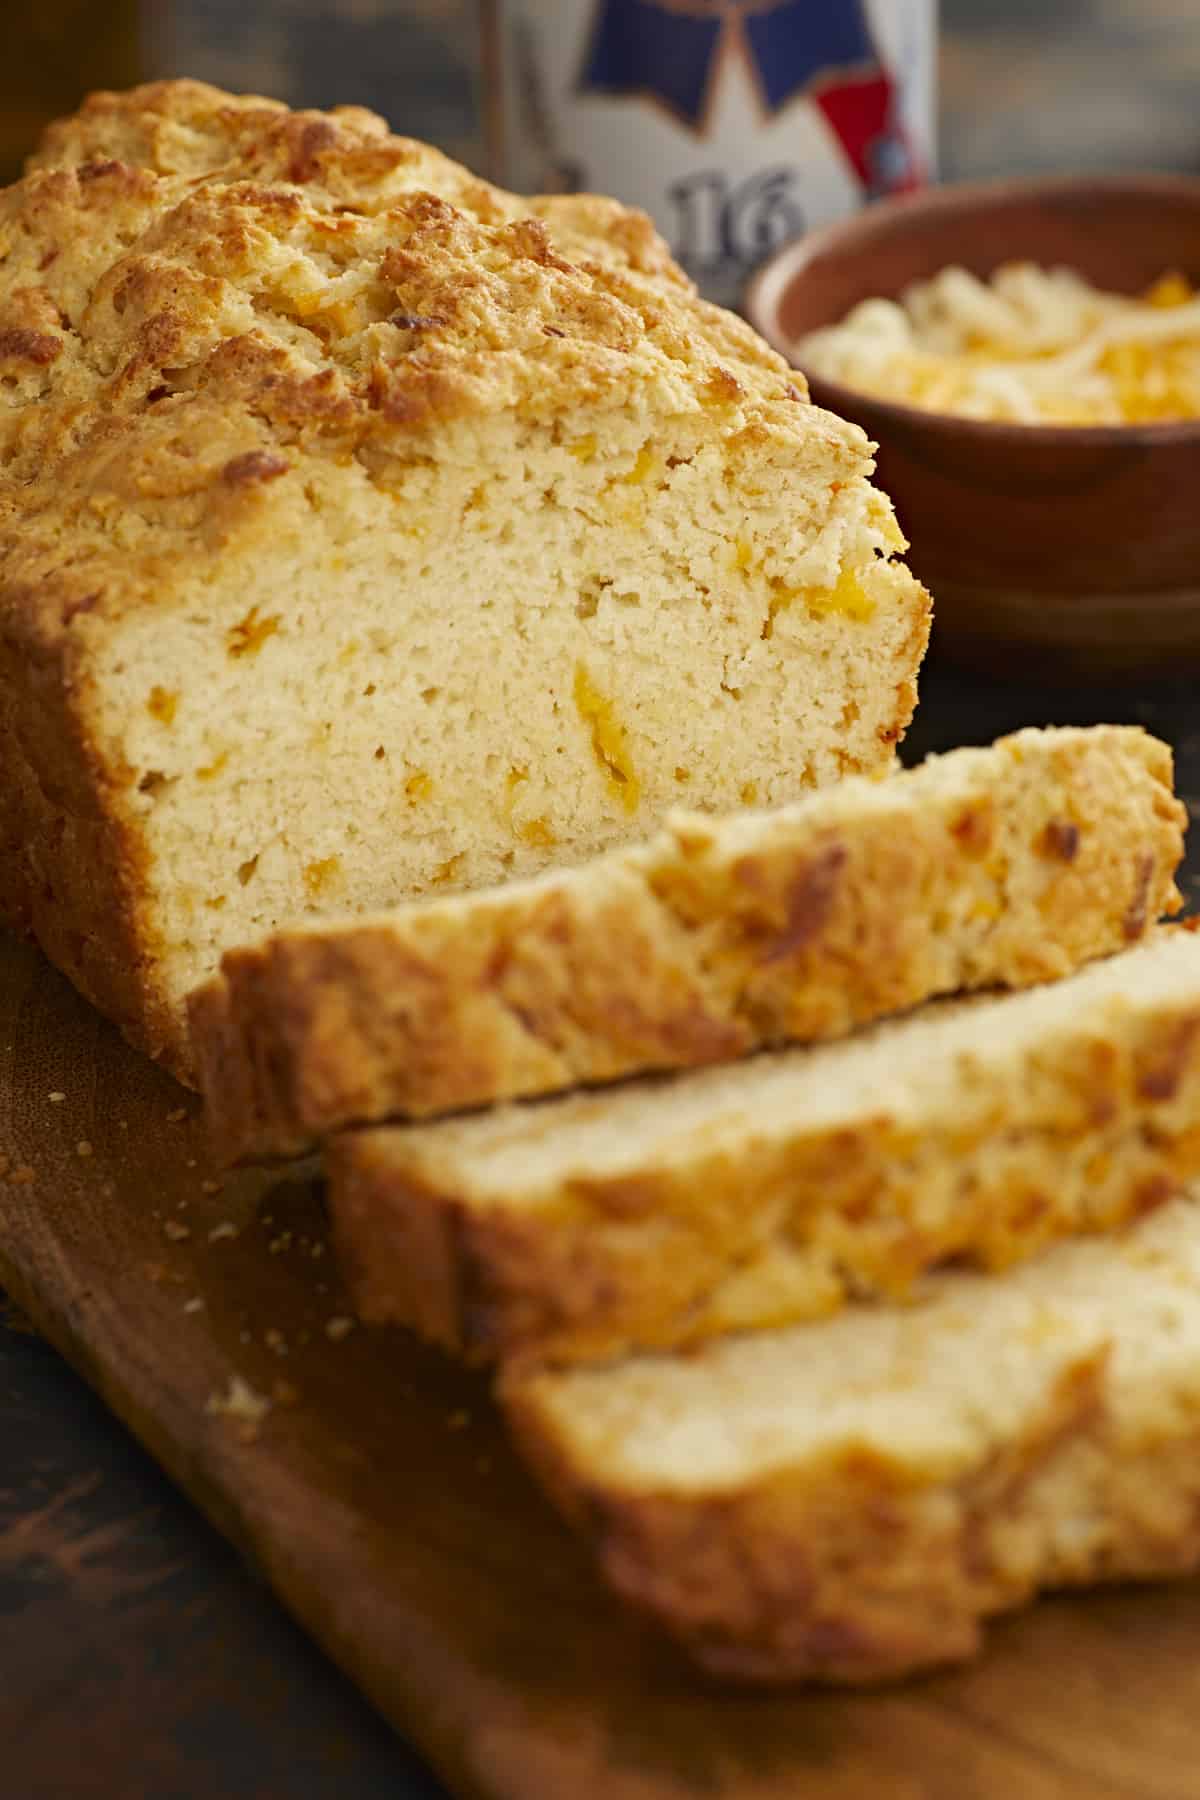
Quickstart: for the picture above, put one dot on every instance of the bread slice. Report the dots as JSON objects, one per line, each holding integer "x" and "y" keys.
{"x": 664, "y": 1212}
{"x": 849, "y": 1501}
{"x": 1011, "y": 864}
{"x": 366, "y": 530}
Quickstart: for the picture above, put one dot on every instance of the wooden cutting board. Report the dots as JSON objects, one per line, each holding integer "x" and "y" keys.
{"x": 378, "y": 1497}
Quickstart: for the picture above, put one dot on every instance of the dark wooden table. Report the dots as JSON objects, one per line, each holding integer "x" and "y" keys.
{"x": 139, "y": 1660}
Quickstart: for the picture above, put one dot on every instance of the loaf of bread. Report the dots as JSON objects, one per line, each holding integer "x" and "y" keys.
{"x": 1007, "y": 865}
{"x": 664, "y": 1212}
{"x": 848, "y": 1501}
{"x": 366, "y": 530}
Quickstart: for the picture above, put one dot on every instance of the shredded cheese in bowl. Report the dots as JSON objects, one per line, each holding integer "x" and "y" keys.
{"x": 1031, "y": 346}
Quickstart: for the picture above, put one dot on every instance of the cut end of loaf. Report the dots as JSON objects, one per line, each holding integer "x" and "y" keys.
{"x": 314, "y": 403}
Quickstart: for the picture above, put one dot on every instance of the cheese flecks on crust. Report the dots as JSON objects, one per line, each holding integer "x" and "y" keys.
{"x": 365, "y": 529}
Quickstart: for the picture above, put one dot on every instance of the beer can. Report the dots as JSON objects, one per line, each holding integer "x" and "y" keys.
{"x": 737, "y": 124}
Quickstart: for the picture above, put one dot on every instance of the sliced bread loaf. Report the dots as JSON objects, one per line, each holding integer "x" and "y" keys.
{"x": 663, "y": 1212}
{"x": 369, "y": 530}
{"x": 849, "y": 1500}
{"x": 1006, "y": 865}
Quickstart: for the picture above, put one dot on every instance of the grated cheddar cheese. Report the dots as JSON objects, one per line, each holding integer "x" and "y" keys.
{"x": 1031, "y": 346}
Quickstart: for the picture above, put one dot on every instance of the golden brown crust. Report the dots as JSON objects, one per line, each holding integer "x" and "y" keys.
{"x": 196, "y": 278}
{"x": 849, "y": 1572}
{"x": 820, "y": 919}
{"x": 71, "y": 857}
{"x": 748, "y": 1223}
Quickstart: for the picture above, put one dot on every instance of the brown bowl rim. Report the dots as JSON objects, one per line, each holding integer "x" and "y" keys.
{"x": 760, "y": 304}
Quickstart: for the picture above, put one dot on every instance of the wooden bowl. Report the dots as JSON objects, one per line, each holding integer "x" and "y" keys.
{"x": 1073, "y": 549}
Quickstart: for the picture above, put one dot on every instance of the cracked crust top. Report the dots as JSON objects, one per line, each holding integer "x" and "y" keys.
{"x": 203, "y": 291}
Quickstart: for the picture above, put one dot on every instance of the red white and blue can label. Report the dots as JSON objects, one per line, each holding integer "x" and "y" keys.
{"x": 737, "y": 124}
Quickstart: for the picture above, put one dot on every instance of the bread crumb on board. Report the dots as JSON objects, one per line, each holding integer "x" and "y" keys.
{"x": 226, "y": 1229}
{"x": 242, "y": 1405}
{"x": 56, "y": 1098}
{"x": 176, "y": 1232}
{"x": 337, "y": 1329}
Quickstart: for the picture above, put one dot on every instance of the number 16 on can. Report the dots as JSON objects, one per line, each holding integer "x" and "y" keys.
{"x": 737, "y": 124}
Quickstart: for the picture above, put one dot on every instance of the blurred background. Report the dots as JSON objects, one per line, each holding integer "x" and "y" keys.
{"x": 1024, "y": 84}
